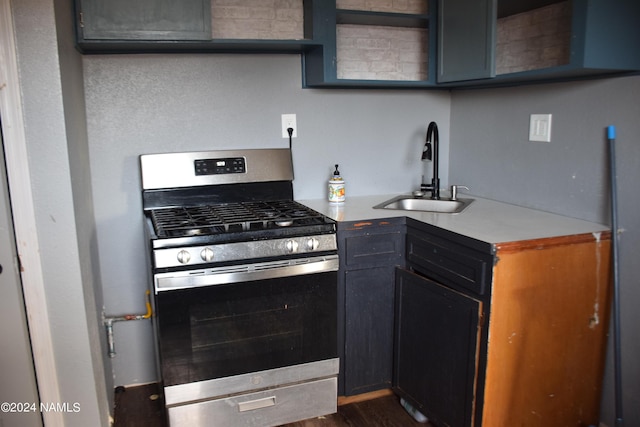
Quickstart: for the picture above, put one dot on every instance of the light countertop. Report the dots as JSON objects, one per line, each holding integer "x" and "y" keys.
{"x": 485, "y": 220}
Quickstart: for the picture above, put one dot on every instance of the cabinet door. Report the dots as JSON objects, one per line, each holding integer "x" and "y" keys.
{"x": 368, "y": 329}
{"x": 145, "y": 19}
{"x": 466, "y": 39}
{"x": 369, "y": 251}
{"x": 436, "y": 340}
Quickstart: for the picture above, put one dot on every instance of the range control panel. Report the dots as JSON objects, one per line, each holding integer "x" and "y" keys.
{"x": 220, "y": 166}
{"x": 202, "y": 168}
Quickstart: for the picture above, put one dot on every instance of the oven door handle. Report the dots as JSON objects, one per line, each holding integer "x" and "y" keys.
{"x": 244, "y": 273}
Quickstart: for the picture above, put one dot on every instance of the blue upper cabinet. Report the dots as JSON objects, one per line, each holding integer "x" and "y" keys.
{"x": 138, "y": 26}
{"x": 145, "y": 19}
{"x": 537, "y": 40}
{"x": 610, "y": 32}
{"x": 359, "y": 43}
{"x": 387, "y": 45}
{"x": 466, "y": 40}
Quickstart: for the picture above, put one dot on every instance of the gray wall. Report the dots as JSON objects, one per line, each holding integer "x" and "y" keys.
{"x": 52, "y": 91}
{"x": 139, "y": 104}
{"x": 490, "y": 153}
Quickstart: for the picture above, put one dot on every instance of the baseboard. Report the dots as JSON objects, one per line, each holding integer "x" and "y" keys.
{"x": 345, "y": 400}
{"x": 137, "y": 385}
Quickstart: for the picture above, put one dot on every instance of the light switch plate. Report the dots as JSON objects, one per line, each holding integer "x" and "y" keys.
{"x": 540, "y": 128}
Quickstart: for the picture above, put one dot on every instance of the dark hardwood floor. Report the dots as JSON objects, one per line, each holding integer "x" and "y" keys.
{"x": 141, "y": 407}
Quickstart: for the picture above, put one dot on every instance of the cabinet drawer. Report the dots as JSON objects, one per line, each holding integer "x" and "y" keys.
{"x": 261, "y": 409}
{"x": 373, "y": 249}
{"x": 449, "y": 263}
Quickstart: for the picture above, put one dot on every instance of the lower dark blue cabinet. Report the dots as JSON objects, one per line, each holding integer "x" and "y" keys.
{"x": 437, "y": 333}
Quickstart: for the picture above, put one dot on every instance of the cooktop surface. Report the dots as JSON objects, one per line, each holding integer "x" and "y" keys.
{"x": 238, "y": 217}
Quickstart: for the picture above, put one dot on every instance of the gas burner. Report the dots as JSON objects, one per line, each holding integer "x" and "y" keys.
{"x": 231, "y": 218}
{"x": 195, "y": 231}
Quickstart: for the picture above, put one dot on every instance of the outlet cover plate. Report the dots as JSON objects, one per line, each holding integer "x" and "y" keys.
{"x": 540, "y": 128}
{"x": 289, "y": 121}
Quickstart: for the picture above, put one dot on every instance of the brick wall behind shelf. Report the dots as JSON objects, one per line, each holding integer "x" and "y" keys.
{"x": 398, "y": 6}
{"x": 381, "y": 53}
{"x": 536, "y": 39}
{"x": 257, "y": 19}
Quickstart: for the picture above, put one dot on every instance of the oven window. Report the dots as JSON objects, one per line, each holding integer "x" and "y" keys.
{"x": 217, "y": 331}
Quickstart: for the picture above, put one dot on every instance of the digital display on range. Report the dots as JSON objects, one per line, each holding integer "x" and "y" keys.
{"x": 220, "y": 166}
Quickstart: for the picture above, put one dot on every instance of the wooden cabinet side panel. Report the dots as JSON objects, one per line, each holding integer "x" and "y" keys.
{"x": 547, "y": 335}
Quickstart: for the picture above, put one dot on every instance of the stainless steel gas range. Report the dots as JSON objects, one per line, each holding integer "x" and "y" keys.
{"x": 245, "y": 289}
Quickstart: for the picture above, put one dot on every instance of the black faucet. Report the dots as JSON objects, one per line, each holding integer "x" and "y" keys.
{"x": 432, "y": 133}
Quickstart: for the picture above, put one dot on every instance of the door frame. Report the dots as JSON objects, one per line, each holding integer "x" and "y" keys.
{"x": 23, "y": 211}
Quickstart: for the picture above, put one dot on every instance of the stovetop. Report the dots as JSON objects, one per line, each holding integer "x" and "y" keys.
{"x": 219, "y": 207}
{"x": 227, "y": 233}
{"x": 222, "y": 218}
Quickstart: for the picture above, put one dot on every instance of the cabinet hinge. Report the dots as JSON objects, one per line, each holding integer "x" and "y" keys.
{"x": 81, "y": 20}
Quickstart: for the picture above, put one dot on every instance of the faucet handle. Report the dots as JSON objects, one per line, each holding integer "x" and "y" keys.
{"x": 454, "y": 191}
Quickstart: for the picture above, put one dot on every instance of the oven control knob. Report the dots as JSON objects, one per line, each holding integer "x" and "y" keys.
{"x": 312, "y": 244}
{"x": 292, "y": 246}
{"x": 184, "y": 256}
{"x": 206, "y": 254}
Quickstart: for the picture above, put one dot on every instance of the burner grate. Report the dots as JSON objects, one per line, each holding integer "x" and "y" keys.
{"x": 231, "y": 217}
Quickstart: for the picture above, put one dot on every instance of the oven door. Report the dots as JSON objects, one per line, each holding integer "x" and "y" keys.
{"x": 220, "y": 323}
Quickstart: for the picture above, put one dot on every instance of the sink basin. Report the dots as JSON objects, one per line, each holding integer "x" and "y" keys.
{"x": 410, "y": 203}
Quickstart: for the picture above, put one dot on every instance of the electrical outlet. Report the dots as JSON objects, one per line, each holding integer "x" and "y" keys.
{"x": 289, "y": 121}
{"x": 540, "y": 127}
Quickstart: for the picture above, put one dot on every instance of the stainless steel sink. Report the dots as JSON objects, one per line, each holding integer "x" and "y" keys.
{"x": 411, "y": 203}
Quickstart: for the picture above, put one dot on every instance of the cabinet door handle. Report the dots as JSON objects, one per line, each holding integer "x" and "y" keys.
{"x": 251, "y": 405}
